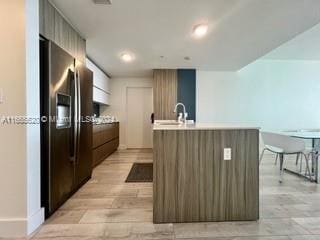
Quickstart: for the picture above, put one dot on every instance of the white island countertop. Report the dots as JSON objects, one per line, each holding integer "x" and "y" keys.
{"x": 204, "y": 126}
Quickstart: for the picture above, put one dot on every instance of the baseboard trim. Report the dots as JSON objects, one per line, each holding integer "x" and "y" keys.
{"x": 21, "y": 227}
{"x": 13, "y": 227}
{"x": 35, "y": 221}
{"x": 122, "y": 147}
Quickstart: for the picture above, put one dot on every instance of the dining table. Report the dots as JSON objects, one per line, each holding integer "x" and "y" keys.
{"x": 314, "y": 137}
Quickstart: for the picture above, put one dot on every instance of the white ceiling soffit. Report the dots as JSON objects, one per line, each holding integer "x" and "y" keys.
{"x": 305, "y": 47}
{"x": 240, "y": 31}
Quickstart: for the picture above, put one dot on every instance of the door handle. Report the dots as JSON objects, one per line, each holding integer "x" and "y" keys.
{"x": 79, "y": 114}
{"x": 75, "y": 116}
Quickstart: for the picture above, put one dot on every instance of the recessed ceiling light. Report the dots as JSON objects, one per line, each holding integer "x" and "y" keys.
{"x": 200, "y": 30}
{"x": 127, "y": 57}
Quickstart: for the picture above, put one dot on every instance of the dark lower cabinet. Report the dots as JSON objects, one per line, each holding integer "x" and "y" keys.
{"x": 105, "y": 141}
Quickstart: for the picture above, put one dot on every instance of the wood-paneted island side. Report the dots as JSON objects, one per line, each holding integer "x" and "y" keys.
{"x": 192, "y": 180}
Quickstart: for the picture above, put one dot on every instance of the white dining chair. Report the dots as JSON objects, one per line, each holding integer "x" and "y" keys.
{"x": 284, "y": 145}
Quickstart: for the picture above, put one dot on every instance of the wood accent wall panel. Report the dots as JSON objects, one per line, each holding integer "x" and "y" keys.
{"x": 192, "y": 182}
{"x": 55, "y": 28}
{"x": 165, "y": 86}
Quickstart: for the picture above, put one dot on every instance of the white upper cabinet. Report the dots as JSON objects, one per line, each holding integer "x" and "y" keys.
{"x": 101, "y": 88}
{"x": 100, "y": 79}
{"x": 100, "y": 96}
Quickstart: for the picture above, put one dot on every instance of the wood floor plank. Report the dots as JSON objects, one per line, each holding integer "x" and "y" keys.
{"x": 296, "y": 199}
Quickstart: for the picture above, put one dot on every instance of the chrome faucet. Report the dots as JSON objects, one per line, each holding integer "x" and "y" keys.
{"x": 185, "y": 114}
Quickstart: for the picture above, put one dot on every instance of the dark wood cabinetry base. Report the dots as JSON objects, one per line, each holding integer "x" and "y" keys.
{"x": 105, "y": 141}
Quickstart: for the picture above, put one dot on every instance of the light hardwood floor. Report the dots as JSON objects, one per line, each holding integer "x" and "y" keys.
{"x": 108, "y": 208}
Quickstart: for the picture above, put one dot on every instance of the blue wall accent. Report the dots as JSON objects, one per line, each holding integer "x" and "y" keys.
{"x": 187, "y": 91}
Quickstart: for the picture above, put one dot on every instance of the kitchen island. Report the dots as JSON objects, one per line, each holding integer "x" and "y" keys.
{"x": 193, "y": 178}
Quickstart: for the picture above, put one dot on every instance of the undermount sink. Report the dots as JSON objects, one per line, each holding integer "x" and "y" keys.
{"x": 175, "y": 123}
{"x": 172, "y": 122}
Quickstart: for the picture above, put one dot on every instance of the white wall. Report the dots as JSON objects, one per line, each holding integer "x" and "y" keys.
{"x": 13, "y": 176}
{"x": 118, "y": 101}
{"x": 267, "y": 93}
{"x": 20, "y": 211}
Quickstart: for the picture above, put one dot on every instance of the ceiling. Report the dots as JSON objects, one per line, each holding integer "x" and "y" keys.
{"x": 240, "y": 31}
{"x": 303, "y": 47}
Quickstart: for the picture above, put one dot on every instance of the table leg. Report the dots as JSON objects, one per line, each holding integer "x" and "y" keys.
{"x": 317, "y": 170}
{"x": 315, "y": 159}
{"x": 281, "y": 167}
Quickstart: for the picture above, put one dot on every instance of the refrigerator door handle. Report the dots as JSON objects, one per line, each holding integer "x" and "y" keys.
{"x": 79, "y": 114}
{"x": 75, "y": 118}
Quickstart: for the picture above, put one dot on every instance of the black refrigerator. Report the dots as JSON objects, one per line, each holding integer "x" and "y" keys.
{"x": 66, "y": 126}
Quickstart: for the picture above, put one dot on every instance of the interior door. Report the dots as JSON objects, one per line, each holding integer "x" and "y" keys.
{"x": 61, "y": 168}
{"x": 84, "y": 158}
{"x": 139, "y": 110}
